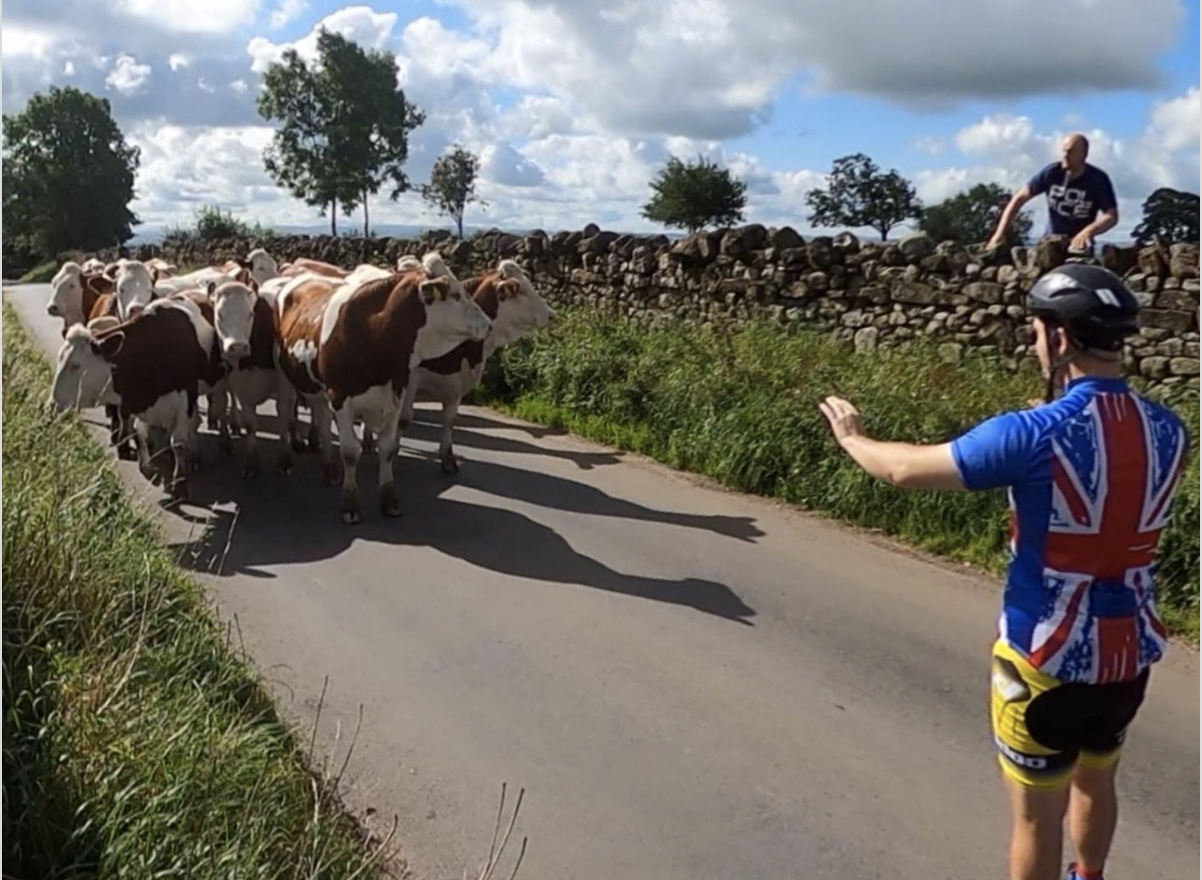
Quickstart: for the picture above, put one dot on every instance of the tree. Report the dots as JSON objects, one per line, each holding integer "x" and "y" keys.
{"x": 1171, "y": 216}
{"x": 858, "y": 194}
{"x": 345, "y": 125}
{"x": 68, "y": 175}
{"x": 453, "y": 184}
{"x": 970, "y": 217}
{"x": 694, "y": 195}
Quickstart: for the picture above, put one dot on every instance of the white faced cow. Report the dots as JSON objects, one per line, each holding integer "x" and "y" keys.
{"x": 246, "y": 333}
{"x": 77, "y": 296}
{"x": 510, "y": 300}
{"x": 152, "y": 366}
{"x": 358, "y": 344}
{"x": 135, "y": 288}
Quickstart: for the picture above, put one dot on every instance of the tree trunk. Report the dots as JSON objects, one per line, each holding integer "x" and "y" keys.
{"x": 884, "y": 234}
{"x": 334, "y": 217}
{"x": 459, "y": 223}
{"x": 365, "y": 228}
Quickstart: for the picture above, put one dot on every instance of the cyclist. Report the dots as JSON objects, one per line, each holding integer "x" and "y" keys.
{"x": 1091, "y": 475}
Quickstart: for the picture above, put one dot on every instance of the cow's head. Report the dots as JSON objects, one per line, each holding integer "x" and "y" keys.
{"x": 234, "y": 316}
{"x": 93, "y": 265}
{"x": 451, "y": 315}
{"x": 66, "y": 295}
{"x": 83, "y": 371}
{"x": 408, "y": 263}
{"x": 135, "y": 289}
{"x": 519, "y": 307}
{"x": 261, "y": 264}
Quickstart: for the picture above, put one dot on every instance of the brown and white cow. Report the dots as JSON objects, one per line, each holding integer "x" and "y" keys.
{"x": 357, "y": 345}
{"x": 510, "y": 300}
{"x": 260, "y": 264}
{"x": 246, "y": 335}
{"x": 77, "y": 296}
{"x": 303, "y": 266}
{"x": 152, "y": 367}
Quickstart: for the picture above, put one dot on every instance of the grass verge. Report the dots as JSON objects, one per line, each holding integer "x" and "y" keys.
{"x": 43, "y": 273}
{"x": 136, "y": 743}
{"x": 742, "y": 408}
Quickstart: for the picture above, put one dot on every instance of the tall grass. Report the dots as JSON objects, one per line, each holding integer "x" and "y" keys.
{"x": 136, "y": 743}
{"x": 741, "y": 407}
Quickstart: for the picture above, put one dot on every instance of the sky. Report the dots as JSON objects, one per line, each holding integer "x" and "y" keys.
{"x": 573, "y": 104}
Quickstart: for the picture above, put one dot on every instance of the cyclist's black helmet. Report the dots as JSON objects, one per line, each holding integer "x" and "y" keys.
{"x": 1091, "y": 303}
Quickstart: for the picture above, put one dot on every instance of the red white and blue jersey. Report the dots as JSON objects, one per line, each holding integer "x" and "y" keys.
{"x": 1091, "y": 477}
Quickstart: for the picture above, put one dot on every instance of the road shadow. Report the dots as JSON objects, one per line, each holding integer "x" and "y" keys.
{"x": 485, "y": 423}
{"x": 294, "y": 520}
{"x": 429, "y": 428}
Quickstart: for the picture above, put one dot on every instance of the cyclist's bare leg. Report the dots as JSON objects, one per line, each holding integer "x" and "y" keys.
{"x": 1093, "y": 815}
{"x": 1037, "y": 836}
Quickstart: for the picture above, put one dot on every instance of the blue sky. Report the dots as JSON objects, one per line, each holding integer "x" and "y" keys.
{"x": 574, "y": 103}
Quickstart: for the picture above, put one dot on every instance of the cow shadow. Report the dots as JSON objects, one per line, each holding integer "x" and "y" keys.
{"x": 295, "y": 521}
{"x": 428, "y": 427}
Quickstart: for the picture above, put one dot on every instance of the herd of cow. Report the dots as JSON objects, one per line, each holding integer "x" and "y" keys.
{"x": 354, "y": 346}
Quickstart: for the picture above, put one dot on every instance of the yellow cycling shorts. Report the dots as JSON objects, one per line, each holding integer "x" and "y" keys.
{"x": 1043, "y": 727}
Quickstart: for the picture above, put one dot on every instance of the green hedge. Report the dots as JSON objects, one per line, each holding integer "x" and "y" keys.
{"x": 742, "y": 407}
{"x": 136, "y": 743}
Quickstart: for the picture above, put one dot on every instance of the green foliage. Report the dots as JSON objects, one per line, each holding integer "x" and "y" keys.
{"x": 694, "y": 195}
{"x": 43, "y": 273}
{"x": 344, "y": 125}
{"x": 136, "y": 743}
{"x": 453, "y": 184}
{"x": 971, "y": 217}
{"x": 1171, "y": 216}
{"x": 859, "y": 194}
{"x": 68, "y": 175}
{"x": 741, "y": 407}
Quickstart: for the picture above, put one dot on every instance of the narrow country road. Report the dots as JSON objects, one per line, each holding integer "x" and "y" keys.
{"x": 689, "y": 683}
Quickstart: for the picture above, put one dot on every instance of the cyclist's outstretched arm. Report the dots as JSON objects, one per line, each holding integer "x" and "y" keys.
{"x": 908, "y": 465}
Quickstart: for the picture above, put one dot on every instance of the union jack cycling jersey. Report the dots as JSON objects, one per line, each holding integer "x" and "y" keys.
{"x": 1091, "y": 477}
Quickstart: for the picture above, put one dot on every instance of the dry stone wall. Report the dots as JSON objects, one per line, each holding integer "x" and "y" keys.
{"x": 869, "y": 294}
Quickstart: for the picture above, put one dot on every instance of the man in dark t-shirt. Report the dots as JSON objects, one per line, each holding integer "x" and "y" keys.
{"x": 1081, "y": 200}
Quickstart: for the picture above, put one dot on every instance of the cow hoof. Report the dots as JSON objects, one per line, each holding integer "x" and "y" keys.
{"x": 125, "y": 452}
{"x": 390, "y": 505}
{"x": 450, "y": 464}
{"x": 284, "y": 467}
{"x": 350, "y": 508}
{"x": 330, "y": 475}
{"x": 250, "y": 471}
{"x": 179, "y": 491}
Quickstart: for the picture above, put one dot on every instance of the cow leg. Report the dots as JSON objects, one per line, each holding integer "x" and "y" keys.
{"x": 390, "y": 442}
{"x": 146, "y": 466}
{"x": 407, "y": 399}
{"x": 322, "y": 419}
{"x": 121, "y": 433}
{"x": 183, "y": 433}
{"x": 351, "y": 450}
{"x": 250, "y": 469}
{"x": 219, "y": 419}
{"x": 446, "y": 455}
{"x": 285, "y": 408}
{"x": 369, "y": 440}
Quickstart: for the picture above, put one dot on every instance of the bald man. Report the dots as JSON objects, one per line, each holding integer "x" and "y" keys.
{"x": 1081, "y": 202}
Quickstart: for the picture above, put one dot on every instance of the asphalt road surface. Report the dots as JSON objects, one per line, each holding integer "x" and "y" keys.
{"x": 689, "y": 683}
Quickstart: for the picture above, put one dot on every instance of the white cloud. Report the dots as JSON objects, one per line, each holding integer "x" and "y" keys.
{"x": 502, "y": 164}
{"x": 25, "y": 41}
{"x": 68, "y": 68}
{"x": 204, "y": 86}
{"x": 361, "y": 24}
{"x": 178, "y": 61}
{"x": 128, "y": 76}
{"x": 188, "y": 16}
{"x": 285, "y": 11}
{"x": 1176, "y": 123}
{"x": 239, "y": 86}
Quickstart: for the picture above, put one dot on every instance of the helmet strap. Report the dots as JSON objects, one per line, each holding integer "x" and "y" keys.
{"x": 1055, "y": 366}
